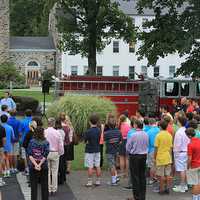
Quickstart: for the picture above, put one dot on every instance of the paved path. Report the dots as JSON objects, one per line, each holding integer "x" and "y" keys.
{"x": 12, "y": 190}
{"x": 76, "y": 180}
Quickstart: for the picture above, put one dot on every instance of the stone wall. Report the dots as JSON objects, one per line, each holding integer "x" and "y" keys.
{"x": 4, "y": 30}
{"x": 21, "y": 59}
{"x": 53, "y": 31}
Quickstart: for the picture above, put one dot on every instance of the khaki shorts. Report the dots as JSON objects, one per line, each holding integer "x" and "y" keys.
{"x": 193, "y": 176}
{"x": 151, "y": 161}
{"x": 16, "y": 149}
{"x": 1, "y": 155}
{"x": 164, "y": 170}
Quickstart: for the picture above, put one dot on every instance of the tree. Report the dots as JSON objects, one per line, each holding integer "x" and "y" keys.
{"x": 87, "y": 26}
{"x": 28, "y": 18}
{"x": 9, "y": 73}
{"x": 176, "y": 28}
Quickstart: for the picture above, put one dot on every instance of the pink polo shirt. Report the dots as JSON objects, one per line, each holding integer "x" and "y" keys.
{"x": 124, "y": 129}
{"x": 54, "y": 138}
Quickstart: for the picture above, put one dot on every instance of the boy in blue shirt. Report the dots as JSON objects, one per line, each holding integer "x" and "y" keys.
{"x": 8, "y": 145}
{"x": 92, "y": 150}
{"x": 152, "y": 133}
{"x": 15, "y": 124}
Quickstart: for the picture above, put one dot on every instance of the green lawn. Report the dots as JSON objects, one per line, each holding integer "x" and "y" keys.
{"x": 29, "y": 93}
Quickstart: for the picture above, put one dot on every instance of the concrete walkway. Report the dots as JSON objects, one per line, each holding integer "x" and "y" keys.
{"x": 76, "y": 181}
{"x": 17, "y": 189}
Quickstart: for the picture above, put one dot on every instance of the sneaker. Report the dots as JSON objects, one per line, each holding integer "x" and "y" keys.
{"x": 97, "y": 183}
{"x": 2, "y": 184}
{"x": 186, "y": 188}
{"x": 166, "y": 191}
{"x": 151, "y": 181}
{"x": 179, "y": 188}
{"x": 127, "y": 188}
{"x": 117, "y": 179}
{"x": 156, "y": 189}
{"x": 89, "y": 184}
{"x": 112, "y": 184}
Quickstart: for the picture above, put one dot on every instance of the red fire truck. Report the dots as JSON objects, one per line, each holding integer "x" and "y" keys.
{"x": 129, "y": 94}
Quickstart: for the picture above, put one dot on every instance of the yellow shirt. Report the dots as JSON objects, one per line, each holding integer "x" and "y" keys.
{"x": 163, "y": 143}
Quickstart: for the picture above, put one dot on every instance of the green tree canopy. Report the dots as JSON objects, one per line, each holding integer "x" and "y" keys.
{"x": 27, "y": 18}
{"x": 87, "y": 26}
{"x": 176, "y": 28}
{"x": 9, "y": 73}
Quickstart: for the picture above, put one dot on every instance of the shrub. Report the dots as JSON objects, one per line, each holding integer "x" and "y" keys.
{"x": 24, "y": 103}
{"x": 79, "y": 108}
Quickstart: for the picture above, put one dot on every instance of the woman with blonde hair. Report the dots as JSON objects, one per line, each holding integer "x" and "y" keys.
{"x": 68, "y": 141}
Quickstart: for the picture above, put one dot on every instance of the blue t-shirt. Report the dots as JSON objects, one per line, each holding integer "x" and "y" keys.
{"x": 130, "y": 133}
{"x": 9, "y": 137}
{"x": 197, "y": 133}
{"x": 15, "y": 123}
{"x": 92, "y": 139}
{"x": 152, "y": 133}
{"x": 24, "y": 127}
{"x": 146, "y": 128}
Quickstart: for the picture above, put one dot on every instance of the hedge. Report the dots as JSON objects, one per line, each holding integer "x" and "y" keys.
{"x": 79, "y": 108}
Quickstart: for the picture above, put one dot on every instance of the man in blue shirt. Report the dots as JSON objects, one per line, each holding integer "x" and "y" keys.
{"x": 7, "y": 100}
{"x": 152, "y": 133}
{"x": 15, "y": 124}
{"x": 24, "y": 125}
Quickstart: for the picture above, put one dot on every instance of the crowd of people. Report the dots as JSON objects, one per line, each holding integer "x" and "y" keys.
{"x": 144, "y": 149}
{"x": 43, "y": 155}
{"x": 153, "y": 149}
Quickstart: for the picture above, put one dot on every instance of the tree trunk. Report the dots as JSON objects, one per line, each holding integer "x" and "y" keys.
{"x": 92, "y": 39}
{"x": 92, "y": 53}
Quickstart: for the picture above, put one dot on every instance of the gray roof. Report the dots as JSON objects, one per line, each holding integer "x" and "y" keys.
{"x": 130, "y": 8}
{"x": 32, "y": 43}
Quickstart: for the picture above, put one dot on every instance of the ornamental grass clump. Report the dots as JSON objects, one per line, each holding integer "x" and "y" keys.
{"x": 79, "y": 108}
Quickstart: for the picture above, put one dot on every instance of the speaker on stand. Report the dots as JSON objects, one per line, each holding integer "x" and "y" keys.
{"x": 45, "y": 90}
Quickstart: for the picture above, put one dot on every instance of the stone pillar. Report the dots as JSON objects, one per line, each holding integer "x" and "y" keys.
{"x": 4, "y": 31}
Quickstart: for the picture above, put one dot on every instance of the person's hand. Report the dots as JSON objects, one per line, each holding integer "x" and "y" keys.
{"x": 37, "y": 167}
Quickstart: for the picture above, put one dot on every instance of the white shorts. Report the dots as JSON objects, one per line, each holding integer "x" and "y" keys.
{"x": 92, "y": 160}
{"x": 16, "y": 149}
{"x": 193, "y": 176}
{"x": 180, "y": 160}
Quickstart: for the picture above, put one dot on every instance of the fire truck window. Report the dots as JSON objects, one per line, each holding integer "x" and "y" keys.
{"x": 184, "y": 89}
{"x": 171, "y": 89}
{"x": 198, "y": 89}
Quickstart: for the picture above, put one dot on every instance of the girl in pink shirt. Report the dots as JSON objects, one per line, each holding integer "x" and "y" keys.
{"x": 124, "y": 128}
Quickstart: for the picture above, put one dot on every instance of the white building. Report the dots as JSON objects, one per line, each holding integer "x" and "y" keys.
{"x": 119, "y": 59}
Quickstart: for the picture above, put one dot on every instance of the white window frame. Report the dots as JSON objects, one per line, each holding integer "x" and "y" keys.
{"x": 155, "y": 74}
{"x": 115, "y": 46}
{"x": 76, "y": 70}
{"x": 131, "y": 73}
{"x": 97, "y": 71}
{"x": 116, "y": 70}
